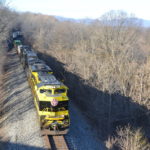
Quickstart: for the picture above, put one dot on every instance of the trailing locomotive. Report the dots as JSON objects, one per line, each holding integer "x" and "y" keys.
{"x": 26, "y": 56}
{"x": 17, "y": 38}
{"x": 50, "y": 94}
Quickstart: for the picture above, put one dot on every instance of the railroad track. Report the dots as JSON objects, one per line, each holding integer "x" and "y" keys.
{"x": 55, "y": 142}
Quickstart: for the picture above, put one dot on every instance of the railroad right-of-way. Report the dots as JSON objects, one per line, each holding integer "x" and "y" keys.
{"x": 19, "y": 124}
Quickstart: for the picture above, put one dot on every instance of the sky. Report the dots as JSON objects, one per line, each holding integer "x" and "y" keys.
{"x": 83, "y": 8}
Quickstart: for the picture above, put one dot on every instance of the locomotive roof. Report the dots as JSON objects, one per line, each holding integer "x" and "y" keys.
{"x": 16, "y": 33}
{"x": 25, "y": 50}
{"x": 26, "y": 47}
{"x": 31, "y": 54}
{"x": 48, "y": 79}
{"x": 40, "y": 67}
{"x": 33, "y": 60}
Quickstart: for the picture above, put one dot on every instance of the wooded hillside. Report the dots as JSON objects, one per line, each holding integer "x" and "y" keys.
{"x": 106, "y": 65}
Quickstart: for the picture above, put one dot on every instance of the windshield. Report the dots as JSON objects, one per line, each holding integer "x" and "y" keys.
{"x": 46, "y": 91}
{"x": 59, "y": 91}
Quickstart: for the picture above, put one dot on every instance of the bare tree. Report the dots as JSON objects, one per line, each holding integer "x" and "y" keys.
{"x": 128, "y": 139}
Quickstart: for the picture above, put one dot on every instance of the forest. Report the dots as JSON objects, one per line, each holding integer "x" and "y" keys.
{"x": 105, "y": 64}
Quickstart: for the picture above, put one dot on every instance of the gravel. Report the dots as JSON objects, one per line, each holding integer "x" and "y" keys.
{"x": 19, "y": 125}
{"x": 81, "y": 135}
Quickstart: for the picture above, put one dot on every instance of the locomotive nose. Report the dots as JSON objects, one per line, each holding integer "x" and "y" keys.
{"x": 54, "y": 102}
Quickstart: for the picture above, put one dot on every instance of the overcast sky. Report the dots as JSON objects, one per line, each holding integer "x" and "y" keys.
{"x": 83, "y": 8}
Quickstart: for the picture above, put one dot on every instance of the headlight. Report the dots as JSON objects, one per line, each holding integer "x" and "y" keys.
{"x": 54, "y": 102}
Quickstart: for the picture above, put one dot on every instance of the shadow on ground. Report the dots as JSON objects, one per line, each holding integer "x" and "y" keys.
{"x": 16, "y": 92}
{"x": 18, "y": 118}
{"x": 103, "y": 111}
{"x": 16, "y": 146}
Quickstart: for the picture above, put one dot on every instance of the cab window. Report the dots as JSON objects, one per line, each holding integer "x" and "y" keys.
{"x": 59, "y": 91}
{"x": 45, "y": 91}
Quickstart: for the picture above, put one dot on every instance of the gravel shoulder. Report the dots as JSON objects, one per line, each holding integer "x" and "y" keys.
{"x": 19, "y": 126}
{"x": 81, "y": 135}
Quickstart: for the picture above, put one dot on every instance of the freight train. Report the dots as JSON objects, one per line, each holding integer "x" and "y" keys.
{"x": 49, "y": 94}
